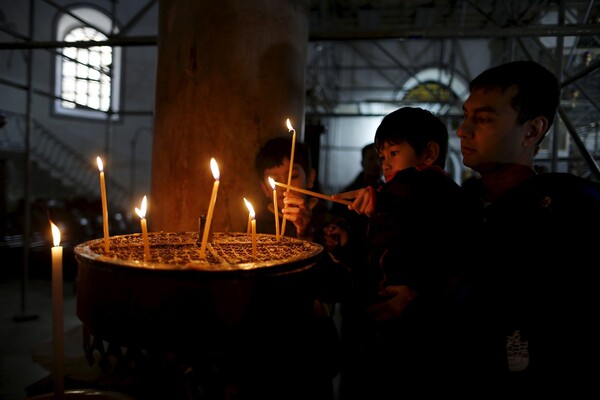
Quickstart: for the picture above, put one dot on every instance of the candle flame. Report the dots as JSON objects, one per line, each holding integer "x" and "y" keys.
{"x": 214, "y": 168}
{"x": 250, "y": 209}
{"x": 141, "y": 212}
{"x": 289, "y": 125}
{"x": 272, "y": 183}
{"x": 100, "y": 165}
{"x": 55, "y": 234}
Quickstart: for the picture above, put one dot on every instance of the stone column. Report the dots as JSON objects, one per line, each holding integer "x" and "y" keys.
{"x": 230, "y": 73}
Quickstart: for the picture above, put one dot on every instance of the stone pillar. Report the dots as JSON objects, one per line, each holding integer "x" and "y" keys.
{"x": 230, "y": 73}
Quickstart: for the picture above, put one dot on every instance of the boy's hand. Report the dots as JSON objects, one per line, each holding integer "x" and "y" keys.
{"x": 397, "y": 297}
{"x": 363, "y": 200}
{"x": 298, "y": 212}
{"x": 334, "y": 236}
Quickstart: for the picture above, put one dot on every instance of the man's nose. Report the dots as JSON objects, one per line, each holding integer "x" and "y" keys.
{"x": 463, "y": 129}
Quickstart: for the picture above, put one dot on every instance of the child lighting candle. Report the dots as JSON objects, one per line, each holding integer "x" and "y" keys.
{"x": 141, "y": 212}
{"x": 275, "y": 209}
{"x": 253, "y": 222}
{"x": 289, "y": 181}
{"x": 211, "y": 206}
{"x": 57, "y": 307}
{"x": 104, "y": 206}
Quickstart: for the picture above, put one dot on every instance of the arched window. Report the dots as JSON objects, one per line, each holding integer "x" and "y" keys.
{"x": 436, "y": 90}
{"x": 87, "y": 79}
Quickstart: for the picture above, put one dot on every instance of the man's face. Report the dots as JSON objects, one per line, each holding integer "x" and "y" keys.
{"x": 490, "y": 133}
{"x": 280, "y": 174}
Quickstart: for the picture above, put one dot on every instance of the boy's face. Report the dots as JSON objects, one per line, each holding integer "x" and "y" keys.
{"x": 395, "y": 157}
{"x": 280, "y": 174}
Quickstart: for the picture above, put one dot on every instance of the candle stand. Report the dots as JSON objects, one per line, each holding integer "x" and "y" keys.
{"x": 236, "y": 331}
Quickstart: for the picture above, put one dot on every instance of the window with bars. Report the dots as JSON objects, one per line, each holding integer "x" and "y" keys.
{"x": 86, "y": 75}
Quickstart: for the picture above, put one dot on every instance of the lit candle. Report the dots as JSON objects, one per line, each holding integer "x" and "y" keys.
{"x": 141, "y": 212}
{"x": 289, "y": 181}
{"x": 211, "y": 206}
{"x": 253, "y": 223}
{"x": 104, "y": 206}
{"x": 275, "y": 209}
{"x": 249, "y": 229}
{"x": 57, "y": 307}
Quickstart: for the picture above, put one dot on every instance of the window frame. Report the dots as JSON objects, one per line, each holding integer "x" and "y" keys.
{"x": 103, "y": 24}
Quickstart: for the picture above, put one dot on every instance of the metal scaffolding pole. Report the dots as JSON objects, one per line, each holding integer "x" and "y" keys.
{"x": 23, "y": 315}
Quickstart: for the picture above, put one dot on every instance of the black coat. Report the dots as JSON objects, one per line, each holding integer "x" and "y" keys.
{"x": 536, "y": 262}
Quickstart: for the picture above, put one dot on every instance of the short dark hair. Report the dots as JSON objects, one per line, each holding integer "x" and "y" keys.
{"x": 277, "y": 149}
{"x": 415, "y": 126}
{"x": 538, "y": 88}
{"x": 366, "y": 149}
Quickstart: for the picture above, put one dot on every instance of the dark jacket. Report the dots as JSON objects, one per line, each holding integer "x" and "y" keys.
{"x": 531, "y": 300}
{"x": 413, "y": 237}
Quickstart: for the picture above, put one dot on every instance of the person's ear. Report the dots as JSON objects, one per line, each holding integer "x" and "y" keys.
{"x": 536, "y": 128}
{"x": 431, "y": 153}
{"x": 267, "y": 191}
{"x": 310, "y": 179}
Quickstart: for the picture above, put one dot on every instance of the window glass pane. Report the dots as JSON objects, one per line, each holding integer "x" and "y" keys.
{"x": 83, "y": 56}
{"x": 81, "y": 92}
{"x": 94, "y": 74}
{"x": 70, "y": 52}
{"x": 94, "y": 102}
{"x": 68, "y": 93}
{"x": 69, "y": 87}
{"x": 94, "y": 89}
{"x": 106, "y": 56}
{"x": 69, "y": 69}
{"x": 82, "y": 71}
{"x": 94, "y": 58}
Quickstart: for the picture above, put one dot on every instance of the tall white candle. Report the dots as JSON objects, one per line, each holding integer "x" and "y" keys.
{"x": 104, "y": 205}
{"x": 211, "y": 206}
{"x": 57, "y": 312}
{"x": 249, "y": 229}
{"x": 253, "y": 223}
{"x": 289, "y": 181}
{"x": 275, "y": 208}
{"x": 141, "y": 212}
{"x": 254, "y": 236}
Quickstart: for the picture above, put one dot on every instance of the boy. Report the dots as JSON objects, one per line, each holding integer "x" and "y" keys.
{"x": 312, "y": 350}
{"x": 304, "y": 213}
{"x": 397, "y": 310}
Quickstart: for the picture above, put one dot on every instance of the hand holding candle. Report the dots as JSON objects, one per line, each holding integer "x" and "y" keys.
{"x": 315, "y": 194}
{"x": 275, "y": 208}
{"x": 211, "y": 207}
{"x": 141, "y": 212}
{"x": 57, "y": 307}
{"x": 104, "y": 205}
{"x": 289, "y": 181}
{"x": 252, "y": 215}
